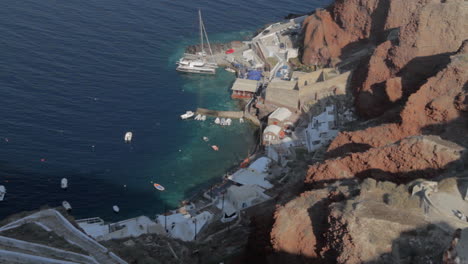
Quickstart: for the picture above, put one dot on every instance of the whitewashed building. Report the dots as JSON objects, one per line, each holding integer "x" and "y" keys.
{"x": 133, "y": 227}
{"x": 238, "y": 198}
{"x": 255, "y": 174}
{"x": 321, "y": 130}
{"x": 272, "y": 135}
{"x": 184, "y": 226}
{"x": 279, "y": 117}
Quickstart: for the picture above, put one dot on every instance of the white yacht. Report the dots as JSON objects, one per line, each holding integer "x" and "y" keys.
{"x": 201, "y": 62}
{"x": 187, "y": 115}
{"x": 2, "y": 192}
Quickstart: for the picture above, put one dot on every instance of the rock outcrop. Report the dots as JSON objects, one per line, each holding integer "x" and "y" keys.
{"x": 413, "y": 41}
{"x": 441, "y": 100}
{"x": 412, "y": 158}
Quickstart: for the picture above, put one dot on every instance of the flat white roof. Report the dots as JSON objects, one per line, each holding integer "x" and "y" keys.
{"x": 251, "y": 177}
{"x": 281, "y": 114}
{"x": 272, "y": 129}
{"x": 281, "y": 84}
{"x": 260, "y": 165}
{"x": 243, "y": 193}
{"x": 245, "y": 85}
{"x": 183, "y": 226}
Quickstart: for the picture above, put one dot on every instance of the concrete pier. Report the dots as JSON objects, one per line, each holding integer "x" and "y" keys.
{"x": 216, "y": 113}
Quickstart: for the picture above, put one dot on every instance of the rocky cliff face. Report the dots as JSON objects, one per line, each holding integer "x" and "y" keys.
{"x": 415, "y": 80}
{"x": 409, "y": 159}
{"x": 413, "y": 40}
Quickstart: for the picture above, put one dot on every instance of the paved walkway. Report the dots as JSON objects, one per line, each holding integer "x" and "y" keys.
{"x": 54, "y": 221}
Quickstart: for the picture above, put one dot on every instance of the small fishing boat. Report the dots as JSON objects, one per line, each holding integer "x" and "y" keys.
{"x": 187, "y": 115}
{"x": 159, "y": 187}
{"x": 116, "y": 208}
{"x": 223, "y": 121}
{"x": 241, "y": 120}
{"x": 64, "y": 183}
{"x": 228, "y": 121}
{"x": 217, "y": 121}
{"x": 215, "y": 148}
{"x": 203, "y": 118}
{"x": 206, "y": 139}
{"x": 230, "y": 69}
{"x": 2, "y": 192}
{"x": 66, "y": 205}
{"x": 198, "y": 117}
{"x": 128, "y": 137}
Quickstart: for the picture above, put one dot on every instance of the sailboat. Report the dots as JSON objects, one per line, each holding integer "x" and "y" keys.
{"x": 201, "y": 62}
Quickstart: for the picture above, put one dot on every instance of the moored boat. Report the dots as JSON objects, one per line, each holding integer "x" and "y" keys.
{"x": 66, "y": 205}
{"x": 116, "y": 208}
{"x": 128, "y": 137}
{"x": 64, "y": 183}
{"x": 159, "y": 187}
{"x": 200, "y": 62}
{"x": 215, "y": 148}
{"x": 187, "y": 115}
{"x": 2, "y": 192}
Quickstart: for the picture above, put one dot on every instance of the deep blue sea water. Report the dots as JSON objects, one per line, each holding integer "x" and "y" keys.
{"x": 77, "y": 74}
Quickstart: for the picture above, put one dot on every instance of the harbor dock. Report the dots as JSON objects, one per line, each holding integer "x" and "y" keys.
{"x": 216, "y": 113}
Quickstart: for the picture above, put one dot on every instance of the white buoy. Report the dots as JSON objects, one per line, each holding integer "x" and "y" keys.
{"x": 64, "y": 183}
{"x": 2, "y": 192}
{"x": 128, "y": 137}
{"x": 116, "y": 208}
{"x": 66, "y": 205}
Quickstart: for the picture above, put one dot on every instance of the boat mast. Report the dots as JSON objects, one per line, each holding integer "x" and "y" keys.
{"x": 201, "y": 32}
{"x": 206, "y": 36}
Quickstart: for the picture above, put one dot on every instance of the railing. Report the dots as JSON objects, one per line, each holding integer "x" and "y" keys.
{"x": 91, "y": 220}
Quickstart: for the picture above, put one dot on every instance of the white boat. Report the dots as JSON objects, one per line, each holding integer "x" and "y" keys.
{"x": 187, "y": 115}
{"x": 116, "y": 208}
{"x": 223, "y": 121}
{"x": 2, "y": 192}
{"x": 128, "y": 137}
{"x": 198, "y": 117}
{"x": 217, "y": 121}
{"x": 241, "y": 120}
{"x": 203, "y": 118}
{"x": 206, "y": 139}
{"x": 201, "y": 62}
{"x": 228, "y": 121}
{"x": 64, "y": 183}
{"x": 159, "y": 187}
{"x": 66, "y": 205}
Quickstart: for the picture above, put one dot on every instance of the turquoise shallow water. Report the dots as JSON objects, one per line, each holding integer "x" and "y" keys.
{"x": 77, "y": 74}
